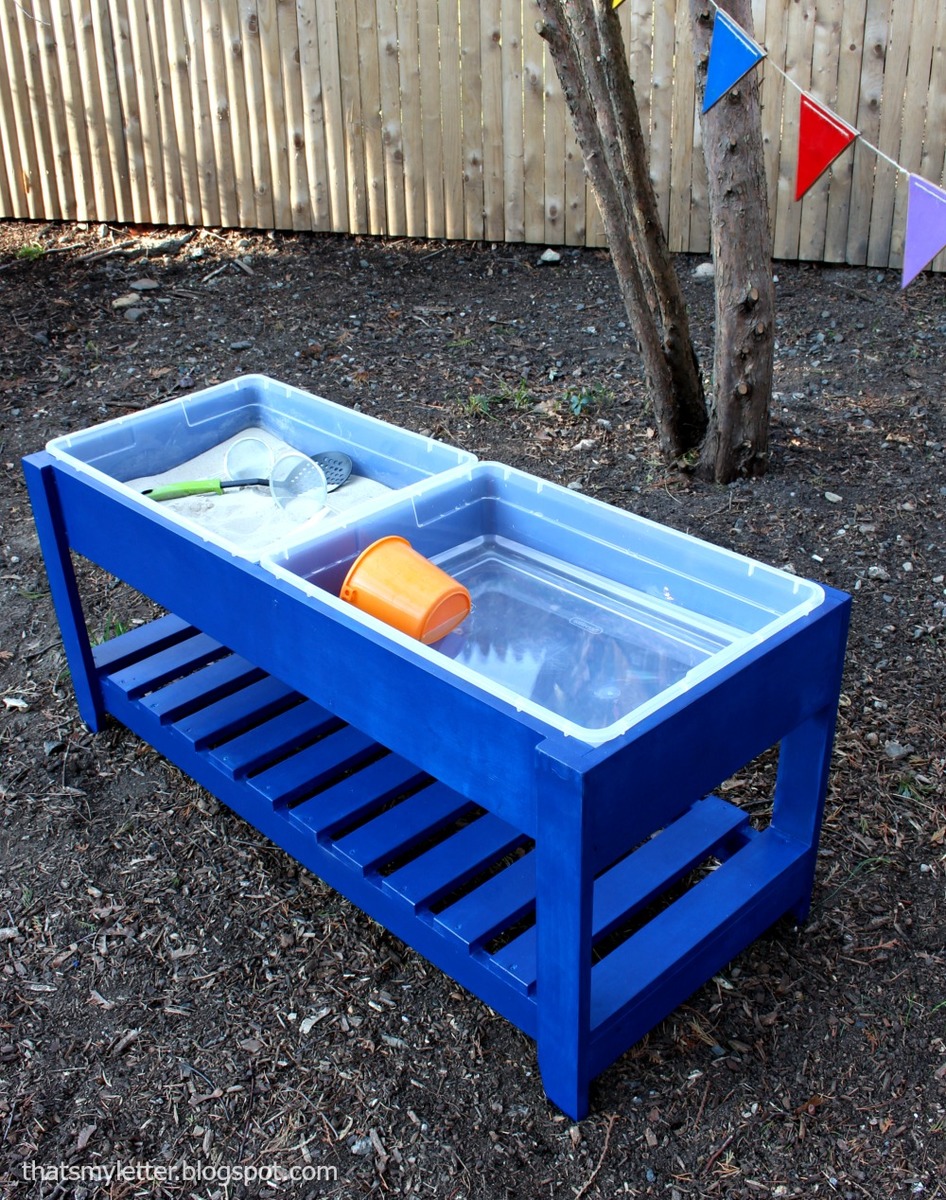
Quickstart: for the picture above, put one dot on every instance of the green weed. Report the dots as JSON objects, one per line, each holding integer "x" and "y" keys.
{"x": 31, "y": 252}
{"x": 585, "y": 399}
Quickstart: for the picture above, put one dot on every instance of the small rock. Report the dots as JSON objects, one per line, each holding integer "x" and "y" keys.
{"x": 705, "y": 272}
{"x": 832, "y": 497}
{"x": 129, "y": 300}
{"x": 360, "y": 1145}
{"x": 134, "y": 314}
{"x": 144, "y": 285}
{"x": 878, "y": 572}
{"x": 895, "y": 751}
{"x": 247, "y": 345}
{"x": 550, "y": 258}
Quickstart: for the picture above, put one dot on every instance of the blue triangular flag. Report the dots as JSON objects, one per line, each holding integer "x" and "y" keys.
{"x": 732, "y": 54}
{"x": 926, "y": 227}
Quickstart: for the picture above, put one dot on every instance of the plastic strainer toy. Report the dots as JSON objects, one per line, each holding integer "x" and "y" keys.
{"x": 298, "y": 486}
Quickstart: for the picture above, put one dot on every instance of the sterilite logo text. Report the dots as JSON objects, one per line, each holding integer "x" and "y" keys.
{"x": 182, "y": 1172}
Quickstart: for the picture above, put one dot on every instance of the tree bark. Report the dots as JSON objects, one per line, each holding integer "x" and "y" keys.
{"x": 736, "y": 442}
{"x": 584, "y": 37}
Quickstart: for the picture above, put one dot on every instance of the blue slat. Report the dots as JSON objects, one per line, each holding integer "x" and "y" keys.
{"x": 351, "y": 799}
{"x": 494, "y": 906}
{"x": 311, "y": 767}
{"x": 453, "y": 862}
{"x": 265, "y": 742}
{"x": 640, "y": 878}
{"x": 197, "y": 691}
{"x": 234, "y": 713}
{"x": 397, "y": 829}
{"x": 140, "y": 641}
{"x": 147, "y": 674}
{"x": 713, "y": 919}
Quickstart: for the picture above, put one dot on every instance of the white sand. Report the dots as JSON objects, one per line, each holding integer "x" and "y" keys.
{"x": 249, "y": 518}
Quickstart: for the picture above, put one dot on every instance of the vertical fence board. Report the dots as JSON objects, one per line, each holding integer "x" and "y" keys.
{"x": 891, "y": 123}
{"x": 841, "y": 176}
{"x": 333, "y": 113}
{"x": 389, "y": 107}
{"x": 12, "y": 193}
{"x": 43, "y": 182}
{"x": 126, "y": 79}
{"x": 826, "y": 22}
{"x": 251, "y": 62}
{"x": 108, "y": 61}
{"x": 52, "y": 113}
{"x": 471, "y": 104}
{"x": 553, "y": 145}
{"x": 81, "y": 162}
{"x": 868, "y": 122}
{"x": 412, "y": 118}
{"x": 204, "y": 118}
{"x": 369, "y": 87}
{"x": 93, "y": 68}
{"x": 429, "y": 70}
{"x": 451, "y": 114}
{"x": 513, "y": 128}
{"x": 661, "y": 108}
{"x": 351, "y": 118}
{"x": 772, "y": 33}
{"x": 175, "y": 212}
{"x": 576, "y": 204}
{"x": 281, "y": 118}
{"x": 681, "y": 135}
{"x": 491, "y": 57}
{"x": 184, "y": 105}
{"x": 217, "y": 54}
{"x": 19, "y": 52}
{"x": 533, "y": 101}
{"x": 313, "y": 120}
{"x": 799, "y": 44}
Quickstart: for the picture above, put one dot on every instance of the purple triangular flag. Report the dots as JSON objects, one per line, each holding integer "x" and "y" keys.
{"x": 926, "y": 227}
{"x": 732, "y": 54}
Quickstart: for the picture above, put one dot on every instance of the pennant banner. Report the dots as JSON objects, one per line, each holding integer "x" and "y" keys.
{"x": 732, "y": 54}
{"x": 821, "y": 138}
{"x": 926, "y": 227}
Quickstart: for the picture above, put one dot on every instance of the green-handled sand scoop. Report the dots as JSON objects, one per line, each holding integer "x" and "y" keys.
{"x": 293, "y": 477}
{"x": 199, "y": 487}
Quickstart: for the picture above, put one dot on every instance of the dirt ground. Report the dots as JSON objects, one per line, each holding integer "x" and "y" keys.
{"x": 174, "y": 991}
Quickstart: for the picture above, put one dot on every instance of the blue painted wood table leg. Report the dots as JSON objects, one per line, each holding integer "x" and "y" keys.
{"x": 804, "y": 763}
{"x": 54, "y": 544}
{"x": 564, "y": 905}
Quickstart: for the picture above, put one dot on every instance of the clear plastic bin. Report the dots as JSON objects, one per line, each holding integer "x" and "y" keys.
{"x": 158, "y": 440}
{"x": 584, "y": 615}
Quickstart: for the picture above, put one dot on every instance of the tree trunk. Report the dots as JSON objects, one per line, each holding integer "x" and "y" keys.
{"x": 584, "y": 37}
{"x": 736, "y": 442}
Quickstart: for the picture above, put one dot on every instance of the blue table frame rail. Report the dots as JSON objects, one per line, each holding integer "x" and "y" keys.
{"x": 581, "y": 891}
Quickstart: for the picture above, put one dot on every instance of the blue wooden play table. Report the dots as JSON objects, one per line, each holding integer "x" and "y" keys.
{"x": 582, "y": 890}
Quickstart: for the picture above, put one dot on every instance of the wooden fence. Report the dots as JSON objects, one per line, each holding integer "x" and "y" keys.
{"x": 439, "y": 118}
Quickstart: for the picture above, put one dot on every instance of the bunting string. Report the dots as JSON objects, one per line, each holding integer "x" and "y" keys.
{"x": 822, "y": 138}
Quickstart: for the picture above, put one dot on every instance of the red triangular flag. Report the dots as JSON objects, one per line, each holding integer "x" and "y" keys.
{"x": 821, "y": 138}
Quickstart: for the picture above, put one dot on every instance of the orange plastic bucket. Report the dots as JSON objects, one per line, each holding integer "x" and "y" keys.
{"x": 394, "y": 583}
